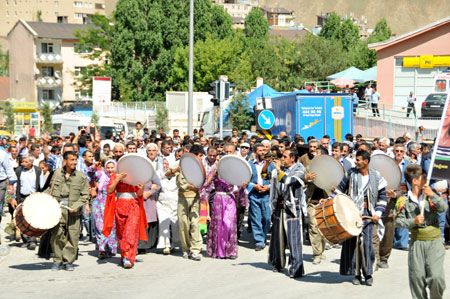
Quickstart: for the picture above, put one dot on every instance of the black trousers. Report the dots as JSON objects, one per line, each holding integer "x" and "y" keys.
{"x": 411, "y": 107}
{"x": 375, "y": 110}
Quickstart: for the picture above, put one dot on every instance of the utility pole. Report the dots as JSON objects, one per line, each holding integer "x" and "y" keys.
{"x": 191, "y": 69}
{"x": 221, "y": 99}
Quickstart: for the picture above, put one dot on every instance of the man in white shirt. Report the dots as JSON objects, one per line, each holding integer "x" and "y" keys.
{"x": 368, "y": 95}
{"x": 411, "y": 100}
{"x": 28, "y": 182}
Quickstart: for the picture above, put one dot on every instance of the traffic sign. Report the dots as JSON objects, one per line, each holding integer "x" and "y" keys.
{"x": 266, "y": 119}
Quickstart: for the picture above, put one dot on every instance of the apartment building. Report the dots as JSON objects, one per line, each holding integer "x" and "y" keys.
{"x": 49, "y": 11}
{"x": 43, "y": 62}
{"x": 238, "y": 10}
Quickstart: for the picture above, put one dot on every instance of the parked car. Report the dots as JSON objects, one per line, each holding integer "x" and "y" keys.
{"x": 434, "y": 105}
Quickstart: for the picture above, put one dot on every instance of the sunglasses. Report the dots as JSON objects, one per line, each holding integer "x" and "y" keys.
{"x": 399, "y": 151}
{"x": 245, "y": 147}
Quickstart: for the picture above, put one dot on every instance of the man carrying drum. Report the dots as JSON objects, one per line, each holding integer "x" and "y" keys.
{"x": 70, "y": 187}
{"x": 313, "y": 195}
{"x": 367, "y": 188}
{"x": 188, "y": 209}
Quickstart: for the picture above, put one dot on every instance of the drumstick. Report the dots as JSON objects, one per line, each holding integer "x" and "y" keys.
{"x": 65, "y": 207}
{"x": 422, "y": 208}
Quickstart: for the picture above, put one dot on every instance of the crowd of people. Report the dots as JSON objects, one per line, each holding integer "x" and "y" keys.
{"x": 169, "y": 213}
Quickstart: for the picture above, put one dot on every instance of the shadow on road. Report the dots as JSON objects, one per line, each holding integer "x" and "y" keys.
{"x": 35, "y": 266}
{"x": 264, "y": 266}
{"x": 324, "y": 277}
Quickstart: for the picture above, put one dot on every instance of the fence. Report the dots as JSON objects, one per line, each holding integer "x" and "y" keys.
{"x": 391, "y": 127}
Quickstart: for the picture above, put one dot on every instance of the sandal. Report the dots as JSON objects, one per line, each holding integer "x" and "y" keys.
{"x": 102, "y": 255}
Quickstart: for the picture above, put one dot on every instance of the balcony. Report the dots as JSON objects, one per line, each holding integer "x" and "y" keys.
{"x": 48, "y": 81}
{"x": 48, "y": 58}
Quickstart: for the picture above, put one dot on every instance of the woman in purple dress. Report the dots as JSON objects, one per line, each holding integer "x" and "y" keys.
{"x": 222, "y": 239}
{"x": 107, "y": 247}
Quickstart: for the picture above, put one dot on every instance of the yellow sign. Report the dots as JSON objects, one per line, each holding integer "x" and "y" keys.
{"x": 426, "y": 61}
{"x": 24, "y": 106}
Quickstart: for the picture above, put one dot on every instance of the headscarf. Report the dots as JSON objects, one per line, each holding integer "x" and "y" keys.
{"x": 103, "y": 178}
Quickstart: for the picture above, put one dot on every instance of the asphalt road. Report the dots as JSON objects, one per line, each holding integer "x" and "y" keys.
{"x": 24, "y": 275}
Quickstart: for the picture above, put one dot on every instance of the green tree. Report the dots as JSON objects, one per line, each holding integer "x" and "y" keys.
{"x": 241, "y": 117}
{"x": 381, "y": 32}
{"x": 321, "y": 57}
{"x": 348, "y": 34}
{"x": 212, "y": 57}
{"x": 39, "y": 15}
{"x": 332, "y": 27}
{"x": 9, "y": 112}
{"x": 4, "y": 63}
{"x": 161, "y": 119}
{"x": 146, "y": 37}
{"x": 256, "y": 26}
{"x": 46, "y": 112}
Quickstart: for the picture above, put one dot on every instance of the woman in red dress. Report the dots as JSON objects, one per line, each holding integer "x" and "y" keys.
{"x": 125, "y": 203}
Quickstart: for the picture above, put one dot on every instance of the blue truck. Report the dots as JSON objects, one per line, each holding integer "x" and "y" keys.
{"x": 314, "y": 114}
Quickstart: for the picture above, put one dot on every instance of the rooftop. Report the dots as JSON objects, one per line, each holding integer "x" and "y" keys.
{"x": 279, "y": 10}
{"x": 53, "y": 30}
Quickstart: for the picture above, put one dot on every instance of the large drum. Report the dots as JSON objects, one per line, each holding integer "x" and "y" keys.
{"x": 37, "y": 214}
{"x": 139, "y": 169}
{"x": 234, "y": 170}
{"x": 388, "y": 169}
{"x": 338, "y": 219}
{"x": 192, "y": 169}
{"x": 329, "y": 171}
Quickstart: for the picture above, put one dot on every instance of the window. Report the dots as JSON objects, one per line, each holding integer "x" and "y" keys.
{"x": 56, "y": 3}
{"x": 47, "y": 48}
{"x": 48, "y": 94}
{"x": 62, "y": 19}
{"x": 15, "y": 2}
{"x": 7, "y": 13}
{"x": 78, "y": 4}
{"x": 78, "y": 15}
{"x": 47, "y": 71}
{"x": 80, "y": 71}
{"x": 7, "y": 2}
{"x": 99, "y": 6}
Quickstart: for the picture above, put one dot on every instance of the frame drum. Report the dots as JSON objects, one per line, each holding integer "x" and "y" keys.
{"x": 338, "y": 219}
{"x": 234, "y": 170}
{"x": 329, "y": 171}
{"x": 138, "y": 168}
{"x": 37, "y": 214}
{"x": 192, "y": 169}
{"x": 388, "y": 169}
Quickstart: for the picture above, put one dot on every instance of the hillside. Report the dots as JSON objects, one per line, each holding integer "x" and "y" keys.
{"x": 401, "y": 15}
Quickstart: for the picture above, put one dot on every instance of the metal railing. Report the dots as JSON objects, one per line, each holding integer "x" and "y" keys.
{"x": 321, "y": 84}
{"x": 132, "y": 111}
{"x": 392, "y": 127}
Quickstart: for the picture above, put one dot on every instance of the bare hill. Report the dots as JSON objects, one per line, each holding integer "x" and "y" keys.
{"x": 401, "y": 15}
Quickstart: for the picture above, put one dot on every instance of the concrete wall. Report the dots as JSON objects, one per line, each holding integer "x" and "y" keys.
{"x": 433, "y": 42}
{"x": 22, "y": 64}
